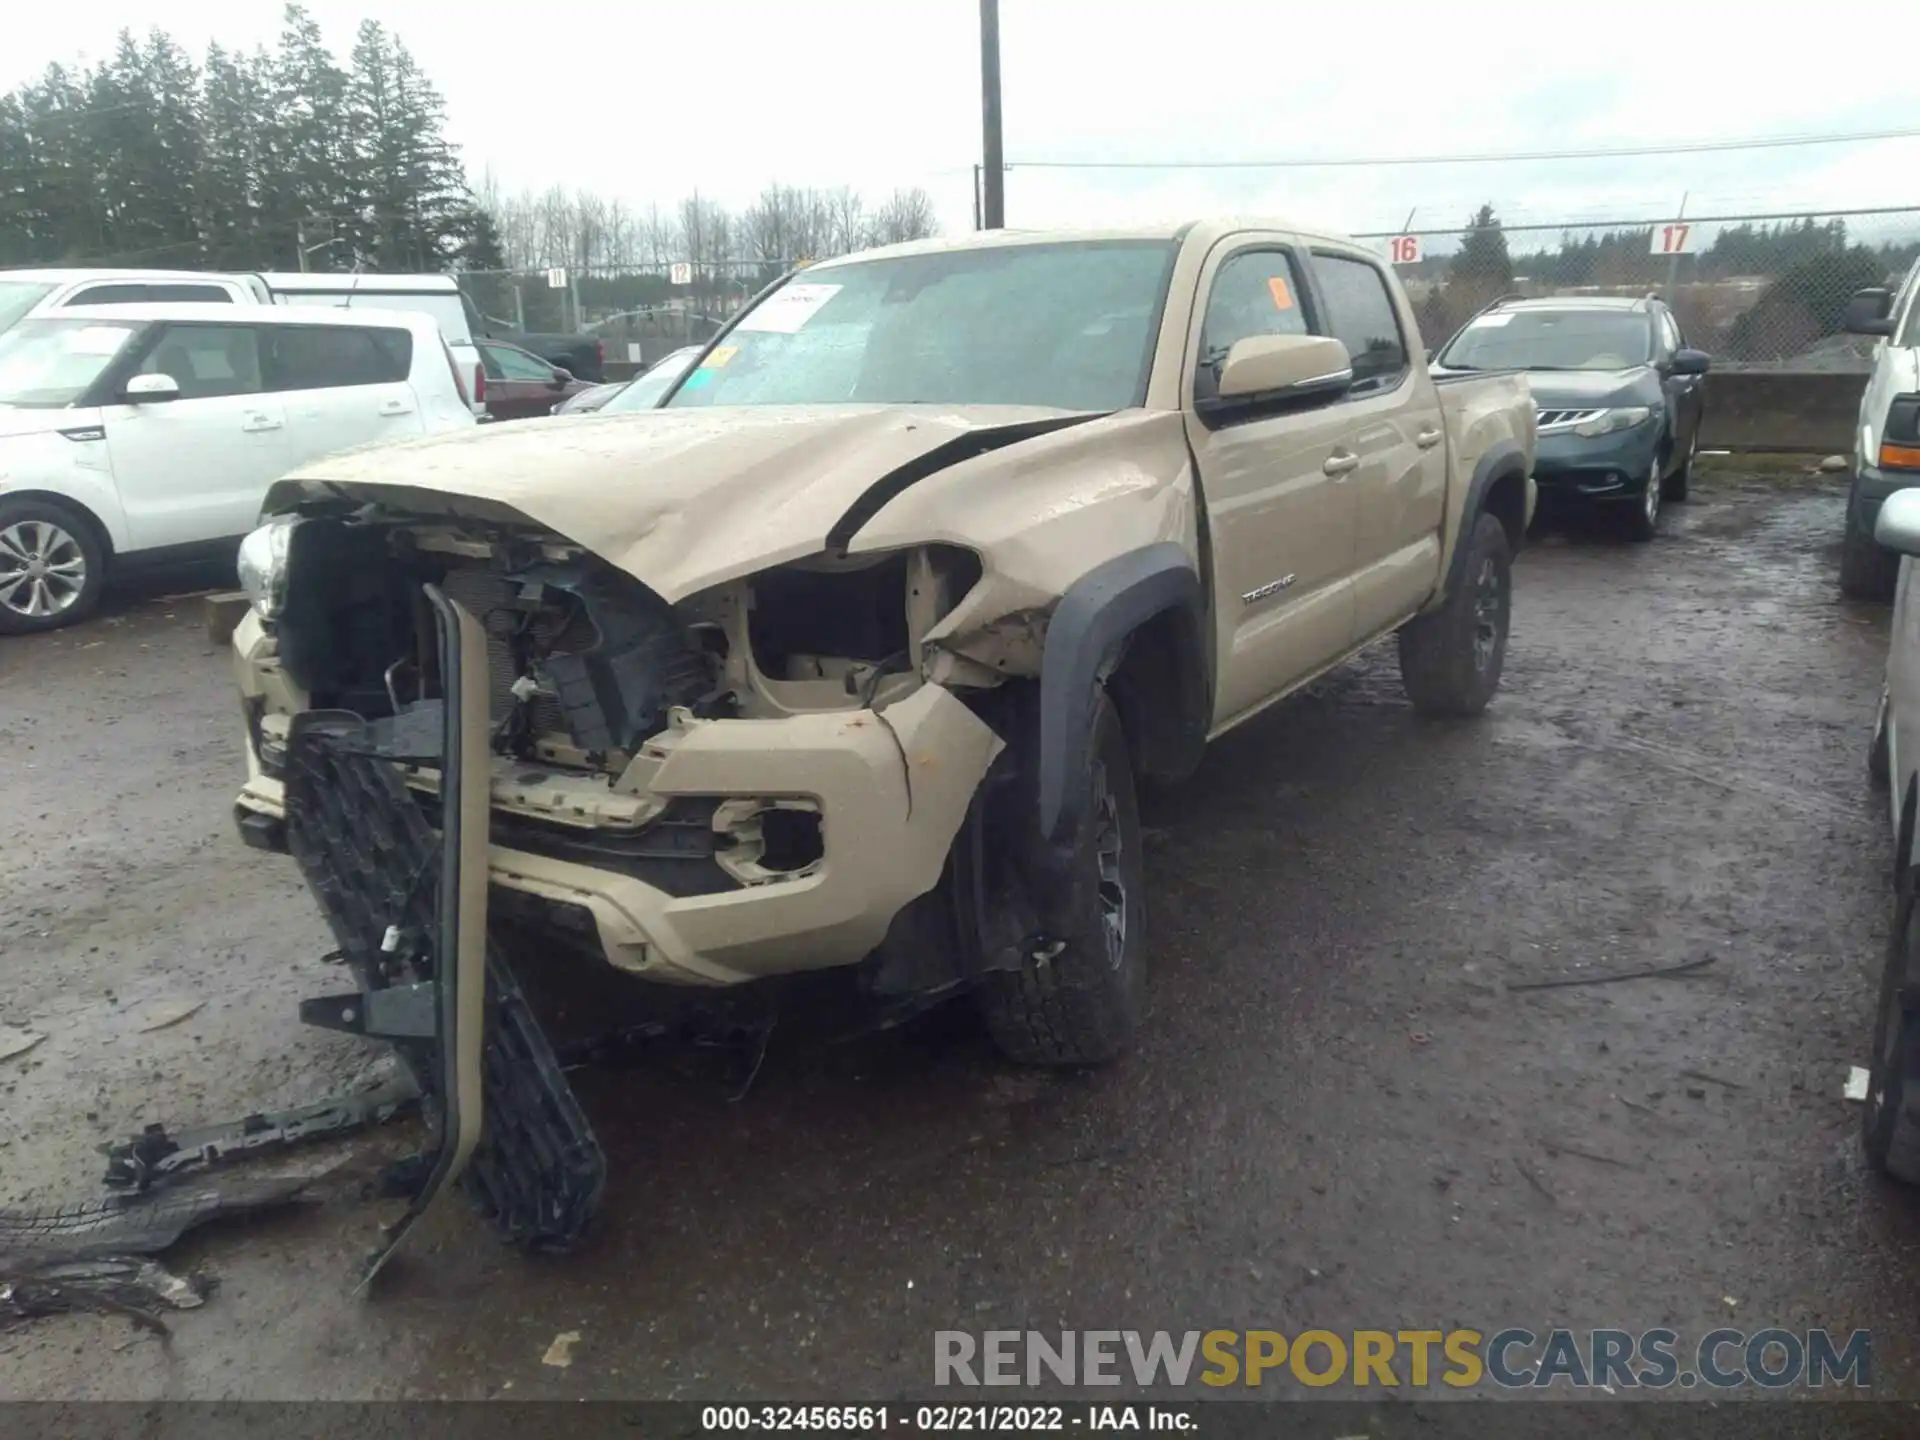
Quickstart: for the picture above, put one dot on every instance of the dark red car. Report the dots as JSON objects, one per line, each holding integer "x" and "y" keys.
{"x": 519, "y": 384}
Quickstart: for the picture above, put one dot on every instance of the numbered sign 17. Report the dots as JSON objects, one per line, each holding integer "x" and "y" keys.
{"x": 1673, "y": 238}
{"x": 1404, "y": 249}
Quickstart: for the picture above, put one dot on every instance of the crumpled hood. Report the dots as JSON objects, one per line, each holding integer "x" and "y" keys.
{"x": 680, "y": 499}
{"x": 1593, "y": 389}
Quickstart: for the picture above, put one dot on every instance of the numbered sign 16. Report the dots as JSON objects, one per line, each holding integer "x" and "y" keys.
{"x": 1673, "y": 238}
{"x": 1404, "y": 249}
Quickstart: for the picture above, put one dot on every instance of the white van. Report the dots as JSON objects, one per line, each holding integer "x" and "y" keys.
{"x": 435, "y": 295}
{"x": 140, "y": 433}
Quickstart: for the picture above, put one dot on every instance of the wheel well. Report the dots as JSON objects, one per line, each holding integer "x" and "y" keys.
{"x": 72, "y": 507}
{"x": 1159, "y": 688}
{"x": 1507, "y": 502}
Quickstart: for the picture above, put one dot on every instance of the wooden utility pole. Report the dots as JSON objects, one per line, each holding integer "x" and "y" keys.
{"x": 993, "y": 169}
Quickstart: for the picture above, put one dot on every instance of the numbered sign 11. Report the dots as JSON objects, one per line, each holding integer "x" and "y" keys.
{"x": 1404, "y": 249}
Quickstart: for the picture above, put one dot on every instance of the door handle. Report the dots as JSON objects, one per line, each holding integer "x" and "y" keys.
{"x": 257, "y": 421}
{"x": 1341, "y": 462}
{"x": 395, "y": 407}
{"x": 1427, "y": 439}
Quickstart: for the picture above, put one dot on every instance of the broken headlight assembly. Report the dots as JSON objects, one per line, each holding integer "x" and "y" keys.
{"x": 263, "y": 564}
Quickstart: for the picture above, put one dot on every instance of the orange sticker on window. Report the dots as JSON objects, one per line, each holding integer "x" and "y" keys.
{"x": 720, "y": 357}
{"x": 1282, "y": 296}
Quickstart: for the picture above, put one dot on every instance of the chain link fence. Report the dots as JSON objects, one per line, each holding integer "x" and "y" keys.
{"x": 641, "y": 312}
{"x": 1754, "y": 291}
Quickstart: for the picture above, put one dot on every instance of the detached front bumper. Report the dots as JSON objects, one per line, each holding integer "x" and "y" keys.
{"x": 890, "y": 789}
{"x": 1600, "y": 467}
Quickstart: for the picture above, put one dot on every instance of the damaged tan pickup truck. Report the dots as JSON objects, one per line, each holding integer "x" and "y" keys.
{"x": 852, "y": 655}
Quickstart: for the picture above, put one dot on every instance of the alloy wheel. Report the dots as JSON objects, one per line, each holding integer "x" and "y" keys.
{"x": 1487, "y": 597}
{"x": 43, "y": 570}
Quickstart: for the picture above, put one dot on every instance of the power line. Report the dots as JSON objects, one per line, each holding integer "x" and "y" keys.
{"x": 1504, "y": 229}
{"x": 1690, "y": 148}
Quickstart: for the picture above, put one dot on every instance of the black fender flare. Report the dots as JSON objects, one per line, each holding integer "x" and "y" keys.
{"x": 1085, "y": 639}
{"x": 1503, "y": 458}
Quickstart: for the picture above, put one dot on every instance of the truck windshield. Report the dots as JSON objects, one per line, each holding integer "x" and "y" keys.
{"x": 47, "y": 364}
{"x": 645, "y": 392}
{"x": 1571, "y": 339}
{"x": 17, "y": 297}
{"x": 1067, "y": 325}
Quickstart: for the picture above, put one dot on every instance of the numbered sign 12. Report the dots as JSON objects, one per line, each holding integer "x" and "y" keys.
{"x": 1675, "y": 237}
{"x": 1404, "y": 249}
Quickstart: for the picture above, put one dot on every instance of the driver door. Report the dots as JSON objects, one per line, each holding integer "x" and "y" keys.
{"x": 196, "y": 468}
{"x": 1279, "y": 497}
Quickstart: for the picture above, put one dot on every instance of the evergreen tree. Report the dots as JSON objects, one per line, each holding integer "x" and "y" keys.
{"x": 232, "y": 159}
{"x": 308, "y": 194}
{"x": 59, "y": 195}
{"x": 1482, "y": 260}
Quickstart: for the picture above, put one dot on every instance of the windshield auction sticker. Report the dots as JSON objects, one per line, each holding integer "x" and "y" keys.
{"x": 787, "y": 309}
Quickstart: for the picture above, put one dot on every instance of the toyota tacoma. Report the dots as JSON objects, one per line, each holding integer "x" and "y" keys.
{"x": 854, "y": 654}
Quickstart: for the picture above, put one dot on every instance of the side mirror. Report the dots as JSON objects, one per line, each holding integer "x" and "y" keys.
{"x": 1284, "y": 369}
{"x": 1898, "y": 525}
{"x": 1869, "y": 312}
{"x": 149, "y": 389}
{"x": 562, "y": 378}
{"x": 1690, "y": 362}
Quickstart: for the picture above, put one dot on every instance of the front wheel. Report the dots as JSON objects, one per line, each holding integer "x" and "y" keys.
{"x": 1677, "y": 484}
{"x": 52, "y": 567}
{"x": 1643, "y": 517}
{"x": 1451, "y": 658}
{"x": 1077, "y": 996}
{"x": 1867, "y": 571}
{"x": 1889, "y": 1133}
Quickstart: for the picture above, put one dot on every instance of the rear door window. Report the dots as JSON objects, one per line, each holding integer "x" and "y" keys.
{"x": 206, "y": 361}
{"x": 327, "y": 357}
{"x": 1361, "y": 316}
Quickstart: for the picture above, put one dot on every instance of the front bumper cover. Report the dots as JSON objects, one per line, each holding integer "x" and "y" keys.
{"x": 892, "y": 788}
{"x": 1599, "y": 467}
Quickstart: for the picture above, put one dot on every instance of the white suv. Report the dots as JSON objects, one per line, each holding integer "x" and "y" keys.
{"x": 1886, "y": 445}
{"x": 139, "y": 433}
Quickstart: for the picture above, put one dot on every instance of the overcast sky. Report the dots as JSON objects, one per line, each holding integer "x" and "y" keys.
{"x": 644, "y": 100}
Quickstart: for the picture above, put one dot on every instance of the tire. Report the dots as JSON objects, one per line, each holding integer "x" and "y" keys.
{"x": 52, "y": 566}
{"x": 1675, "y": 487}
{"x": 1867, "y": 572}
{"x": 1878, "y": 765}
{"x": 1079, "y": 1001}
{"x": 1888, "y": 1132}
{"x": 1451, "y": 658}
{"x": 1643, "y": 515}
